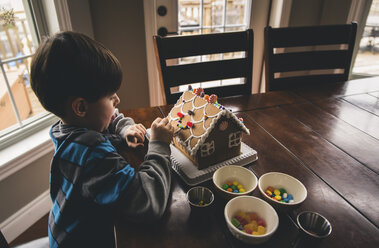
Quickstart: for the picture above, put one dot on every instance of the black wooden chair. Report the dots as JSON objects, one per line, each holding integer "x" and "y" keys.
{"x": 37, "y": 243}
{"x": 323, "y": 64}
{"x": 175, "y": 47}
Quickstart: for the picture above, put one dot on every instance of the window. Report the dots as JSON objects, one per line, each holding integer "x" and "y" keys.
{"x": 212, "y": 16}
{"x": 366, "y": 62}
{"x": 234, "y": 139}
{"x": 207, "y": 149}
{"x": 19, "y": 107}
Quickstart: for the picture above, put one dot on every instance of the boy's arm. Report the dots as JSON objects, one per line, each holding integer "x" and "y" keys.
{"x": 108, "y": 179}
{"x": 120, "y": 124}
{"x": 147, "y": 195}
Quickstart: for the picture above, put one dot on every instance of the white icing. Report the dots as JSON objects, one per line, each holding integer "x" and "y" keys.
{"x": 234, "y": 139}
{"x": 207, "y": 149}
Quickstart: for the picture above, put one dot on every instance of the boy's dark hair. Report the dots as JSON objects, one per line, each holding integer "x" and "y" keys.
{"x": 70, "y": 64}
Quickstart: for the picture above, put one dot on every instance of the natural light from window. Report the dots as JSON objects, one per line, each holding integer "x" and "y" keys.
{"x": 18, "y": 104}
{"x": 367, "y": 60}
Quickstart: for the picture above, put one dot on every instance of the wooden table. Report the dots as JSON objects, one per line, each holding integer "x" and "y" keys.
{"x": 327, "y": 137}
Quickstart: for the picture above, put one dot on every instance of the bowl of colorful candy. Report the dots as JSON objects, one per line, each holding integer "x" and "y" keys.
{"x": 251, "y": 219}
{"x": 232, "y": 180}
{"x": 282, "y": 191}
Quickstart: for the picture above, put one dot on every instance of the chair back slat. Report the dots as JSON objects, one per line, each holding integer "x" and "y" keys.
{"x": 194, "y": 45}
{"x": 303, "y": 81}
{"x": 314, "y": 60}
{"x": 206, "y": 71}
{"x": 342, "y": 37}
{"x": 306, "y": 36}
{"x": 175, "y": 47}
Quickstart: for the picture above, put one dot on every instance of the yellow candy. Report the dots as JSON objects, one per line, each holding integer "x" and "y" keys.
{"x": 242, "y": 190}
{"x": 278, "y": 197}
{"x": 249, "y": 226}
{"x": 256, "y": 233}
{"x": 261, "y": 230}
{"x": 254, "y": 224}
{"x": 269, "y": 192}
{"x": 235, "y": 183}
{"x": 241, "y": 214}
{"x": 239, "y": 186}
{"x": 276, "y": 192}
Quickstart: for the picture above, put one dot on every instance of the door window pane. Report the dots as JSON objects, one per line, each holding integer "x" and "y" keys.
{"x": 213, "y": 14}
{"x": 235, "y": 11}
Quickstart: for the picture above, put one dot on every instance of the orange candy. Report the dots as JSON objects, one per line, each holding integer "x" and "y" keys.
{"x": 229, "y": 189}
{"x": 253, "y": 216}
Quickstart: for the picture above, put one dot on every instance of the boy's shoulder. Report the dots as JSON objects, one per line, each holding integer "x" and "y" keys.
{"x": 88, "y": 137}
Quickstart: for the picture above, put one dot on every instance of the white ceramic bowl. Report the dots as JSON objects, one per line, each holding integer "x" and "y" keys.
{"x": 279, "y": 180}
{"x": 251, "y": 204}
{"x": 234, "y": 173}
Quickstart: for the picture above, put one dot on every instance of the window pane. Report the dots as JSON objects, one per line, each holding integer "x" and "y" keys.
{"x": 189, "y": 13}
{"x": 235, "y": 11}
{"x": 367, "y": 60}
{"x": 7, "y": 114}
{"x": 17, "y": 44}
{"x": 213, "y": 12}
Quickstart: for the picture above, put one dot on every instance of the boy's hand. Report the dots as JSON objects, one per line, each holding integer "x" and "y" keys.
{"x": 135, "y": 135}
{"x": 162, "y": 130}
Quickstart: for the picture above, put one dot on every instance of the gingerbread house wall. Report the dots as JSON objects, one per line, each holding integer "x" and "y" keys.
{"x": 222, "y": 151}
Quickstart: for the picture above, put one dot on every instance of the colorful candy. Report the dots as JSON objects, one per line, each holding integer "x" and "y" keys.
{"x": 213, "y": 98}
{"x": 201, "y": 203}
{"x": 279, "y": 195}
{"x": 198, "y": 91}
{"x": 234, "y": 187}
{"x": 249, "y": 223}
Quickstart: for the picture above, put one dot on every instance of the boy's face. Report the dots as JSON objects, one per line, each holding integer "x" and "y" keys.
{"x": 100, "y": 113}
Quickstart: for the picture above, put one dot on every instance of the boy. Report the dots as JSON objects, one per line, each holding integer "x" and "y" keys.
{"x": 76, "y": 78}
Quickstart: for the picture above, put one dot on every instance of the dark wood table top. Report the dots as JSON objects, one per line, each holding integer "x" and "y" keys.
{"x": 327, "y": 137}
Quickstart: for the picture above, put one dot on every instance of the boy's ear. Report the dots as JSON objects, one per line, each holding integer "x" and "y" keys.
{"x": 79, "y": 106}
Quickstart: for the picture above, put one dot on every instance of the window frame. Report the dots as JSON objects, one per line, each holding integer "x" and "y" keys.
{"x": 234, "y": 139}
{"x": 207, "y": 149}
{"x": 34, "y": 11}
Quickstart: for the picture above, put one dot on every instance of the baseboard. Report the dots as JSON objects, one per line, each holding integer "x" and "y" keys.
{"x": 26, "y": 217}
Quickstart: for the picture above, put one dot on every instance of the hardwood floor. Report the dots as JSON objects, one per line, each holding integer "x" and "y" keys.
{"x": 37, "y": 230}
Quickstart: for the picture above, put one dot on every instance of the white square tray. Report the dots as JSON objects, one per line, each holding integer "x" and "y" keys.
{"x": 189, "y": 173}
{"x": 185, "y": 168}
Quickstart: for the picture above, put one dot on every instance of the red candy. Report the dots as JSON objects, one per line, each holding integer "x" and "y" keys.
{"x": 180, "y": 114}
{"x": 198, "y": 91}
{"x": 213, "y": 98}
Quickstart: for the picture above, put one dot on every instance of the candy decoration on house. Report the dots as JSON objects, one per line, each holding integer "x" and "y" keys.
{"x": 198, "y": 91}
{"x": 205, "y": 131}
{"x": 213, "y": 98}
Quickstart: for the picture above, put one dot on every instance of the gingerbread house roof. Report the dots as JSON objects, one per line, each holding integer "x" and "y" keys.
{"x": 194, "y": 117}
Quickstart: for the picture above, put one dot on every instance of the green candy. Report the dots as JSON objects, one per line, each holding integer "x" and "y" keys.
{"x": 225, "y": 186}
{"x": 234, "y": 187}
{"x": 235, "y": 222}
{"x": 282, "y": 191}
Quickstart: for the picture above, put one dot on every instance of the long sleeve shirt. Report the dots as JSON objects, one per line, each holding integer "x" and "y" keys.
{"x": 89, "y": 179}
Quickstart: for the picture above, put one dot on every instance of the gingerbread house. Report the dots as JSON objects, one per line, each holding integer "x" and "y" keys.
{"x": 205, "y": 131}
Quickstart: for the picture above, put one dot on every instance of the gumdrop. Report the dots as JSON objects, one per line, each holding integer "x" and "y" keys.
{"x": 261, "y": 230}
{"x": 235, "y": 222}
